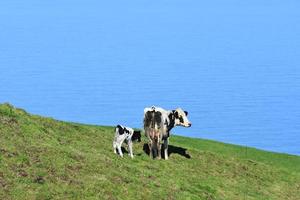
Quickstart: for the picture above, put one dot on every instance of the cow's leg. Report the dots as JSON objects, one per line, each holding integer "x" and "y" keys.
{"x": 166, "y": 142}
{"x": 150, "y": 149}
{"x": 130, "y": 148}
{"x": 158, "y": 150}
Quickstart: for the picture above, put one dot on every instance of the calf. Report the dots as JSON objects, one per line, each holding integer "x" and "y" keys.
{"x": 158, "y": 124}
{"x": 125, "y": 133}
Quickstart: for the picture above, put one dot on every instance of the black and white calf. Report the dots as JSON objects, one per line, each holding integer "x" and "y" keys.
{"x": 125, "y": 133}
{"x": 158, "y": 123}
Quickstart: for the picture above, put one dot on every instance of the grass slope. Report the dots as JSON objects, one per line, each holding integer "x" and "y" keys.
{"x": 42, "y": 158}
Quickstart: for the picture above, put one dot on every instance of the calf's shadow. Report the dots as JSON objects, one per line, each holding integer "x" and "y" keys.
{"x": 171, "y": 150}
{"x": 125, "y": 151}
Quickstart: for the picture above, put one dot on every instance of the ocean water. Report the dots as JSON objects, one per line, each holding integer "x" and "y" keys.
{"x": 234, "y": 65}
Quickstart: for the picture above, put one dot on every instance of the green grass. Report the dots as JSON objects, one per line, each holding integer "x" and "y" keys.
{"x": 42, "y": 158}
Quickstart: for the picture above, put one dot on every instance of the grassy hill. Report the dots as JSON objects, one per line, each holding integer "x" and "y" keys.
{"x": 42, "y": 158}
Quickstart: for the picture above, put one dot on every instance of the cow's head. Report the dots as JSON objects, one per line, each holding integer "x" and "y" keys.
{"x": 181, "y": 118}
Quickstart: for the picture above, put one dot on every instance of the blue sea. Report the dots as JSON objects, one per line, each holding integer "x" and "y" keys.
{"x": 233, "y": 65}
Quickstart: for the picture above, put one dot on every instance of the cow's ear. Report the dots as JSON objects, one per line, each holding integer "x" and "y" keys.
{"x": 186, "y": 113}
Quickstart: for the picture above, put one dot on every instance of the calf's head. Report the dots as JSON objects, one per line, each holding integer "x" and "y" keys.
{"x": 136, "y": 136}
{"x": 181, "y": 118}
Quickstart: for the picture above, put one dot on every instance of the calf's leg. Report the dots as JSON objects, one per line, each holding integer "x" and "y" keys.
{"x": 120, "y": 150}
{"x": 130, "y": 148}
{"x": 114, "y": 146}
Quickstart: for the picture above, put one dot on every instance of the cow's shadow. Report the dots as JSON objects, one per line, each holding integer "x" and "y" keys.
{"x": 171, "y": 150}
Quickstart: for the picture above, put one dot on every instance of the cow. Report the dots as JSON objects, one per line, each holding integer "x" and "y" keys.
{"x": 125, "y": 133}
{"x": 158, "y": 123}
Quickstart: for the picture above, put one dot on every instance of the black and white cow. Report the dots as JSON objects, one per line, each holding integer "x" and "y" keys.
{"x": 125, "y": 133}
{"x": 158, "y": 123}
